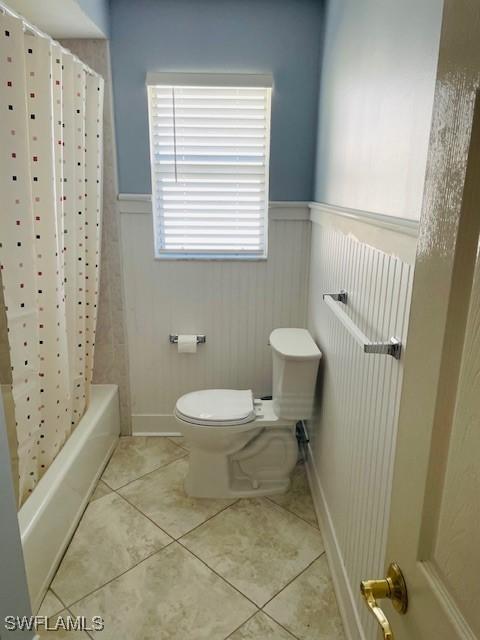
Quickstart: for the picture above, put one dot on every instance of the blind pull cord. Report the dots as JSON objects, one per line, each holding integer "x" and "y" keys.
{"x": 174, "y": 133}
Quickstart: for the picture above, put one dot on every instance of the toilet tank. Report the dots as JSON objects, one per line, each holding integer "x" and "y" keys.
{"x": 295, "y": 366}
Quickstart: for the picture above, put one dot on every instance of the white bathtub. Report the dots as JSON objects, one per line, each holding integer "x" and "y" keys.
{"x": 49, "y": 516}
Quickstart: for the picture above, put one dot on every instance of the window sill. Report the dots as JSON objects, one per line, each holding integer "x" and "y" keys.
{"x": 209, "y": 258}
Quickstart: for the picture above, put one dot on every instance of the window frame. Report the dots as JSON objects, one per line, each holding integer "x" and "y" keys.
{"x": 212, "y": 80}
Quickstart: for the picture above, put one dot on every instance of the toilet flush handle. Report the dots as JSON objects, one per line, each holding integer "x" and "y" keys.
{"x": 258, "y": 407}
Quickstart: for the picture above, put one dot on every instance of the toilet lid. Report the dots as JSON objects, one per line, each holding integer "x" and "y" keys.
{"x": 216, "y": 407}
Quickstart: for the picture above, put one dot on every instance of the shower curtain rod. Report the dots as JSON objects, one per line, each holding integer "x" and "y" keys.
{"x": 28, "y": 26}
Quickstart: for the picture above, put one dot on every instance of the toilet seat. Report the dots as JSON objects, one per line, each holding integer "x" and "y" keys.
{"x": 216, "y": 407}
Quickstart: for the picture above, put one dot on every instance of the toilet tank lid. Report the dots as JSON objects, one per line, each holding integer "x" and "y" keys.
{"x": 295, "y": 344}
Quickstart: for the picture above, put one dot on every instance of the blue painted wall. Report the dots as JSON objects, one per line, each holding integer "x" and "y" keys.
{"x": 254, "y": 36}
{"x": 376, "y": 97}
{"x": 98, "y": 11}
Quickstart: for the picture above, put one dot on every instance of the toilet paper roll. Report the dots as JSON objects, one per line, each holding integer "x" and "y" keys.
{"x": 187, "y": 344}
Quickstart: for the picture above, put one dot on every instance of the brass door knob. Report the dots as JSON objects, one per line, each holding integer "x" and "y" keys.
{"x": 392, "y": 587}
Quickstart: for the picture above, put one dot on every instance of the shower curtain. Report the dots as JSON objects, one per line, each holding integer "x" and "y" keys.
{"x": 50, "y": 216}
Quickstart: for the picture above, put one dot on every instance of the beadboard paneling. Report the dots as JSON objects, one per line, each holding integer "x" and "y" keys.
{"x": 353, "y": 433}
{"x": 235, "y": 303}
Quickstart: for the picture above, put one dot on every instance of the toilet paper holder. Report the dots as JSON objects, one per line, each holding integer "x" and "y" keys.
{"x": 173, "y": 338}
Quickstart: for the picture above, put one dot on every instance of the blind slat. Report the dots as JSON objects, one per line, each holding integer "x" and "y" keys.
{"x": 219, "y": 217}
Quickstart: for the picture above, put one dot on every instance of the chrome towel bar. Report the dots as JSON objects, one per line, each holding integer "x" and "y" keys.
{"x": 334, "y": 301}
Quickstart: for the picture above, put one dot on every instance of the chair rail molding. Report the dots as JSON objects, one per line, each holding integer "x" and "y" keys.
{"x": 392, "y": 235}
{"x": 132, "y": 203}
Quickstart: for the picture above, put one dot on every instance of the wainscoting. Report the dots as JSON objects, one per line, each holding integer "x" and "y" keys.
{"x": 353, "y": 434}
{"x": 235, "y": 304}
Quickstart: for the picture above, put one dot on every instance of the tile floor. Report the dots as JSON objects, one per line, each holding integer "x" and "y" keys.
{"x": 157, "y": 565}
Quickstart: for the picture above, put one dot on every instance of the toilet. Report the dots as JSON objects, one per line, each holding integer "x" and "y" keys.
{"x": 241, "y": 446}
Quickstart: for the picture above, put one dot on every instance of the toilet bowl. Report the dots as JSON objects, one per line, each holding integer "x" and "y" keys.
{"x": 240, "y": 446}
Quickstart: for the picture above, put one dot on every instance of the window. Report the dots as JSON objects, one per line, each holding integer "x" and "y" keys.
{"x": 209, "y": 146}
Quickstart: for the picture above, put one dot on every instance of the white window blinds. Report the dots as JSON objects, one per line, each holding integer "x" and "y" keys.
{"x": 209, "y": 156}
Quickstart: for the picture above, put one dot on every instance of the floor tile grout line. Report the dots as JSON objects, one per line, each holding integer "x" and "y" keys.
{"x": 172, "y": 542}
{"x": 66, "y": 549}
{"x": 292, "y": 580}
{"x": 87, "y": 595}
{"x": 316, "y": 527}
{"x": 280, "y": 625}
{"x": 260, "y": 498}
{"x": 179, "y": 540}
{"x": 219, "y": 575}
{"x": 85, "y": 632}
{"x": 56, "y": 612}
{"x": 197, "y": 526}
{"x": 55, "y": 593}
{"x": 292, "y": 513}
{"x": 164, "y": 530}
{"x": 260, "y": 608}
{"x": 158, "y": 551}
{"x": 162, "y": 466}
{"x": 236, "y": 501}
{"x": 171, "y": 439}
{"x": 241, "y": 625}
{"x": 134, "y": 506}
{"x": 172, "y": 538}
{"x": 294, "y": 637}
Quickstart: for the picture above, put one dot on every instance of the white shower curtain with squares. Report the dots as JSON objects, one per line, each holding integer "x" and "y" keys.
{"x": 50, "y": 216}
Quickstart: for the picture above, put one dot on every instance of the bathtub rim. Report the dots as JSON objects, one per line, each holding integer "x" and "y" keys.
{"x": 44, "y": 499}
{"x": 51, "y": 479}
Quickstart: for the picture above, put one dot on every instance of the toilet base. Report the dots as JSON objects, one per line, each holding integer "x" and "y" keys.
{"x": 267, "y": 489}
{"x": 261, "y": 465}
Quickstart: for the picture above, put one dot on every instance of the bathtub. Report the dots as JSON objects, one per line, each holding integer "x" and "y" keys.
{"x": 50, "y": 515}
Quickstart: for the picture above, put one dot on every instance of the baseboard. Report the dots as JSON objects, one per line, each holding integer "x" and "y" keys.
{"x": 154, "y": 424}
{"x": 345, "y": 597}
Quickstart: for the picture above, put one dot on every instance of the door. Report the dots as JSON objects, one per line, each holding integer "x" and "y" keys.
{"x": 434, "y": 531}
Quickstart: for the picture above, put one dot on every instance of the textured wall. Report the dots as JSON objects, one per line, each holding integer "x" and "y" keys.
{"x": 375, "y": 106}
{"x": 251, "y": 36}
{"x": 235, "y": 303}
{"x": 111, "y": 359}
